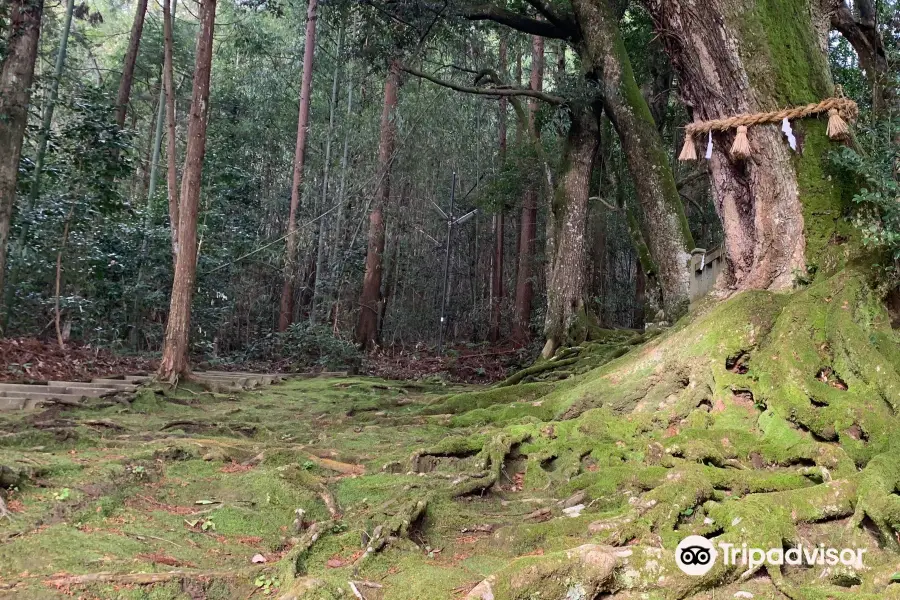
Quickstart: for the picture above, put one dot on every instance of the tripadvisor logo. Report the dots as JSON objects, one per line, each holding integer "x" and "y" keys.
{"x": 696, "y": 555}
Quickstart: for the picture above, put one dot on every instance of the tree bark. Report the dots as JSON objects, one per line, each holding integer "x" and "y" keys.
{"x": 171, "y": 157}
{"x": 778, "y": 209}
{"x": 497, "y": 262}
{"x": 528, "y": 221}
{"x": 367, "y": 324}
{"x": 323, "y": 281}
{"x": 175, "y": 363}
{"x": 49, "y": 105}
{"x": 337, "y": 255}
{"x": 286, "y": 315}
{"x": 666, "y": 230}
{"x": 134, "y": 44}
{"x": 16, "y": 75}
{"x": 566, "y": 230}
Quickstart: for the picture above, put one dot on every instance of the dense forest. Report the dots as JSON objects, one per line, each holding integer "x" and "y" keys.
{"x": 580, "y": 280}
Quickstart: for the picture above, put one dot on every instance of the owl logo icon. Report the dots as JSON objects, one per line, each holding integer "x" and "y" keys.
{"x": 695, "y": 555}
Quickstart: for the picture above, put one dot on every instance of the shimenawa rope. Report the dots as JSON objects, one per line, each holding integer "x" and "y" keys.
{"x": 840, "y": 110}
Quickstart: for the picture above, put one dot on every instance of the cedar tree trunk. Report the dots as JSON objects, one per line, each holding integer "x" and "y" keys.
{"x": 174, "y": 363}
{"x": 528, "y": 220}
{"x": 290, "y": 259}
{"x": 130, "y": 59}
{"x": 367, "y": 323}
{"x": 15, "y": 91}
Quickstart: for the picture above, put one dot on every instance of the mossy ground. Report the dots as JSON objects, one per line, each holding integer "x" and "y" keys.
{"x": 768, "y": 419}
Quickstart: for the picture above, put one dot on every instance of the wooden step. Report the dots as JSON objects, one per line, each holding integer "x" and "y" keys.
{"x": 18, "y": 403}
{"x": 264, "y": 378}
{"x": 116, "y": 384}
{"x": 59, "y": 387}
{"x": 43, "y": 396}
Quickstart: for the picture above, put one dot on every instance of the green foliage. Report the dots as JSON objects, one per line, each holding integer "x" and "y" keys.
{"x": 875, "y": 167}
{"x": 305, "y": 346}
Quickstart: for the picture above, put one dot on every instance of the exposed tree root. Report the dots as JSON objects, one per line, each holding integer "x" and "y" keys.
{"x": 728, "y": 427}
{"x": 144, "y": 578}
{"x": 4, "y": 512}
{"x": 394, "y": 527}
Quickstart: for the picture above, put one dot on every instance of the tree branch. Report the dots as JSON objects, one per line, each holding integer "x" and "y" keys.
{"x": 561, "y": 21}
{"x": 562, "y": 31}
{"x": 863, "y": 35}
{"x": 495, "y": 91}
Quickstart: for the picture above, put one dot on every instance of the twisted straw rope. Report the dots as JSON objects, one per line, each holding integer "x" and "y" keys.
{"x": 846, "y": 108}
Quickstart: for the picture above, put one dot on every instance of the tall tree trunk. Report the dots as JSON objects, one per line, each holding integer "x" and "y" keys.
{"x": 16, "y": 75}
{"x": 665, "y": 227}
{"x": 337, "y": 256}
{"x": 49, "y": 105}
{"x": 134, "y": 332}
{"x": 171, "y": 157}
{"x": 50, "y": 101}
{"x": 566, "y": 230}
{"x": 175, "y": 363}
{"x": 286, "y": 315}
{"x": 134, "y": 44}
{"x": 778, "y": 210}
{"x": 366, "y": 334}
{"x": 497, "y": 262}
{"x": 528, "y": 221}
{"x": 322, "y": 280}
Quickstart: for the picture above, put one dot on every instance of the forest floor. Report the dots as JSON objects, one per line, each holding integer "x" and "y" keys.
{"x": 33, "y": 360}
{"x": 767, "y": 420}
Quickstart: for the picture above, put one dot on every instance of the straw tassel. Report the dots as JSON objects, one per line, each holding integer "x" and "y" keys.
{"x": 688, "y": 151}
{"x": 740, "y": 150}
{"x": 837, "y": 127}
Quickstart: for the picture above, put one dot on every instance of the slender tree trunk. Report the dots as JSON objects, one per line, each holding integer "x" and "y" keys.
{"x": 367, "y": 324}
{"x": 497, "y": 262}
{"x": 565, "y": 242}
{"x": 57, "y": 319}
{"x": 528, "y": 222}
{"x": 46, "y": 122}
{"x": 134, "y": 44}
{"x": 134, "y": 333}
{"x": 779, "y": 212}
{"x": 171, "y": 141}
{"x": 665, "y": 227}
{"x": 322, "y": 280}
{"x": 16, "y": 75}
{"x": 157, "y": 141}
{"x": 50, "y": 102}
{"x": 337, "y": 256}
{"x": 175, "y": 363}
{"x": 286, "y": 315}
